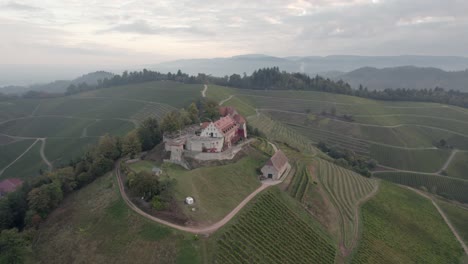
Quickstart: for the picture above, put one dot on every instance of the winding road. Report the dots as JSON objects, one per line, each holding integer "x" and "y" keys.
{"x": 225, "y": 100}
{"x": 203, "y": 92}
{"x": 195, "y": 230}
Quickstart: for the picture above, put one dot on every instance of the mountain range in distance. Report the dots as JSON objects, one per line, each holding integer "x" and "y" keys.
{"x": 374, "y": 72}
{"x": 58, "y": 86}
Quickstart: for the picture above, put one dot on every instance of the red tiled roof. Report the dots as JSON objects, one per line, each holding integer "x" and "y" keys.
{"x": 239, "y": 119}
{"x": 278, "y": 160}
{"x": 225, "y": 123}
{"x": 10, "y": 185}
{"x": 205, "y": 124}
{"x": 226, "y": 110}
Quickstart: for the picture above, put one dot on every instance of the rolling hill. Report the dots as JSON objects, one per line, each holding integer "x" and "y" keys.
{"x": 311, "y": 65}
{"x": 408, "y": 77}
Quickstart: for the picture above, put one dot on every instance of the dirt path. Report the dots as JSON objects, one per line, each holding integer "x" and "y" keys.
{"x": 447, "y": 221}
{"x": 19, "y": 157}
{"x": 273, "y": 146}
{"x": 195, "y": 230}
{"x": 203, "y": 93}
{"x": 43, "y": 156}
{"x": 356, "y": 223}
{"x": 225, "y": 100}
{"x": 449, "y": 160}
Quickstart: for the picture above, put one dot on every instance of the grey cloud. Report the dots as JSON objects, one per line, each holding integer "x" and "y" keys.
{"x": 143, "y": 27}
{"x": 21, "y": 7}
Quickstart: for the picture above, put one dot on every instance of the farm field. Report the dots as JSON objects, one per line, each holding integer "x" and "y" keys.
{"x": 345, "y": 189}
{"x": 393, "y": 233}
{"x": 27, "y": 166}
{"x": 458, "y": 217}
{"x": 91, "y": 228}
{"x": 459, "y": 166}
{"x": 274, "y": 228}
{"x": 445, "y": 186}
{"x": 426, "y": 160}
{"x": 217, "y": 189}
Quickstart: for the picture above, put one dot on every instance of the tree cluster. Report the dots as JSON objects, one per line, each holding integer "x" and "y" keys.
{"x": 176, "y": 120}
{"x": 348, "y": 159}
{"x": 151, "y": 188}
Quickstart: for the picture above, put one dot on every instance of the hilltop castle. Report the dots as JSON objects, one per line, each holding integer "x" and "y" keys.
{"x": 212, "y": 137}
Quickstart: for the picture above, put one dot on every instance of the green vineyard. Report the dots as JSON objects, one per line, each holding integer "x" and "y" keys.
{"x": 300, "y": 182}
{"x": 157, "y": 111}
{"x": 393, "y": 233}
{"x": 345, "y": 189}
{"x": 281, "y": 133}
{"x": 272, "y": 231}
{"x": 445, "y": 186}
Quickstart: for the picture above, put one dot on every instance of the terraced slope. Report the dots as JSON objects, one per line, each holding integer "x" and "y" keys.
{"x": 346, "y": 189}
{"x": 393, "y": 233}
{"x": 274, "y": 229}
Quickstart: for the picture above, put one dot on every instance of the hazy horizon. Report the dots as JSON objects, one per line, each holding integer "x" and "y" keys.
{"x": 147, "y": 32}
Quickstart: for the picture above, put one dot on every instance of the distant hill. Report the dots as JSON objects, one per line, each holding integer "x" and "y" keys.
{"x": 59, "y": 86}
{"x": 311, "y": 65}
{"x": 406, "y": 77}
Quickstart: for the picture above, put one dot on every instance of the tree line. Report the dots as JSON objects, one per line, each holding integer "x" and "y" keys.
{"x": 348, "y": 159}
{"x": 270, "y": 79}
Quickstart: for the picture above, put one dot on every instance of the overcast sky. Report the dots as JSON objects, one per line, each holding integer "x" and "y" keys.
{"x": 107, "y": 32}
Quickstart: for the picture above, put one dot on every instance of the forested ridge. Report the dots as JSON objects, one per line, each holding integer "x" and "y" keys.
{"x": 272, "y": 79}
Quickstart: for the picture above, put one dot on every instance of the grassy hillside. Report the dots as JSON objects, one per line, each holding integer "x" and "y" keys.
{"x": 448, "y": 187}
{"x": 273, "y": 229}
{"x": 393, "y": 233}
{"x": 94, "y": 225}
{"x": 459, "y": 166}
{"x": 216, "y": 189}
